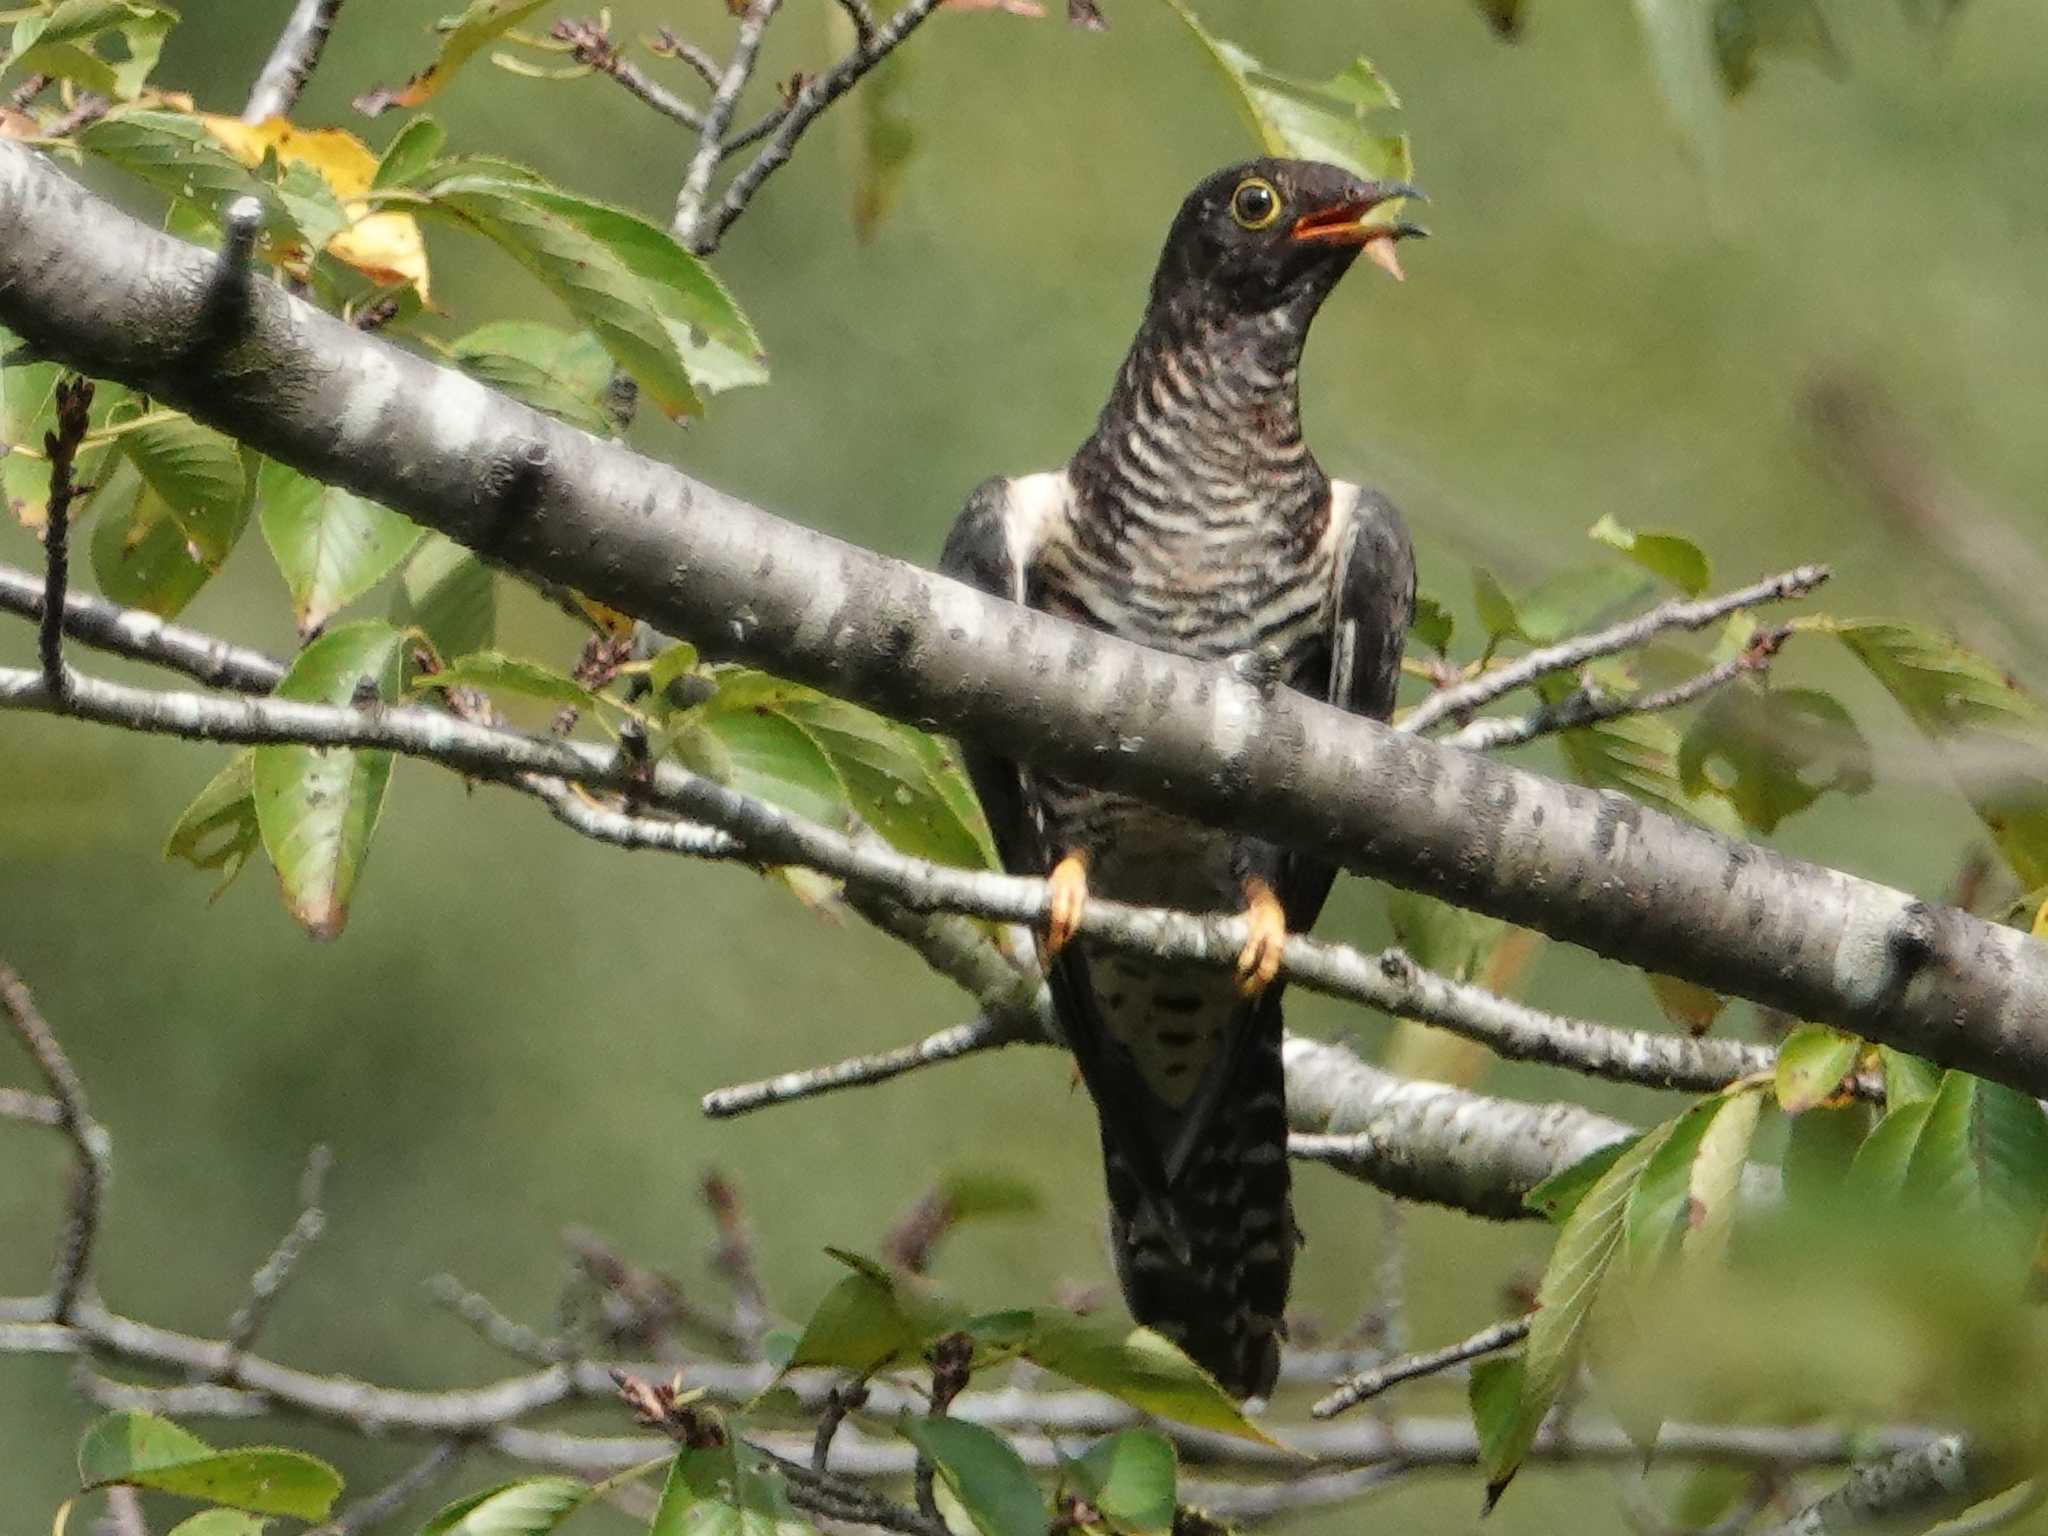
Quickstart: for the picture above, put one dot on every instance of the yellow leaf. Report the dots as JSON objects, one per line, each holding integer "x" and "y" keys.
{"x": 384, "y": 247}
{"x": 2041, "y": 922}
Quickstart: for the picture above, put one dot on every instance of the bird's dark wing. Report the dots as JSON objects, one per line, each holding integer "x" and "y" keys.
{"x": 1375, "y": 603}
{"x": 991, "y": 546}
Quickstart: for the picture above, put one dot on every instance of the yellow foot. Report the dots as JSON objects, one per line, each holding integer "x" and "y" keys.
{"x": 1259, "y": 961}
{"x": 1068, "y": 886}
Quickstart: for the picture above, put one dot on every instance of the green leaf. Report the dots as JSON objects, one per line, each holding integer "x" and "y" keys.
{"x": 1586, "y": 1247}
{"x": 725, "y": 1491}
{"x": 568, "y": 374}
{"x": 1335, "y": 120}
{"x": 534, "y": 226}
{"x": 1129, "y": 1478}
{"x": 1820, "y": 1148}
{"x": 479, "y": 23}
{"x": 317, "y": 806}
{"x": 1811, "y": 1065}
{"x": 1993, "y": 737}
{"x": 410, "y": 155}
{"x": 820, "y": 757}
{"x": 331, "y": 545}
{"x": 1772, "y": 751}
{"x": 70, "y": 42}
{"x": 1907, "y": 1079}
{"x": 1141, "y": 1368}
{"x": 858, "y": 1327}
{"x": 492, "y": 670}
{"x": 1494, "y": 1392}
{"x": 1666, "y": 556}
{"x": 1744, "y": 30}
{"x": 144, "y": 1451}
{"x": 218, "y": 829}
{"x": 1658, "y": 1208}
{"x": 1496, "y": 610}
{"x": 1559, "y": 1195}
{"x": 1433, "y": 625}
{"x": 220, "y": 1522}
{"x": 201, "y": 477}
{"x": 173, "y": 152}
{"x": 529, "y": 1508}
{"x": 985, "y": 1475}
{"x": 675, "y": 663}
{"x": 1982, "y": 1153}
{"x": 448, "y": 595}
{"x": 140, "y": 554}
{"x": 1715, "y": 1186}
{"x": 1638, "y": 755}
{"x": 1879, "y": 1171}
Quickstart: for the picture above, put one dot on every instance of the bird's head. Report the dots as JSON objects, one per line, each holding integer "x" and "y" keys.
{"x": 1276, "y": 234}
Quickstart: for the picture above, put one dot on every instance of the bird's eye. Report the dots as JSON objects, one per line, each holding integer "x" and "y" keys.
{"x": 1255, "y": 205}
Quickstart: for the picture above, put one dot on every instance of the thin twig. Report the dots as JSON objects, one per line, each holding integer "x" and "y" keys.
{"x": 843, "y": 1399}
{"x": 725, "y": 100}
{"x": 952, "y": 1357}
{"x": 394, "y": 1495}
{"x": 734, "y": 1259}
{"x": 1370, "y": 1384}
{"x": 817, "y": 94}
{"x": 60, "y": 446}
{"x": 1583, "y": 706}
{"x": 89, "y": 1146}
{"x": 980, "y": 1034}
{"x": 492, "y": 1325}
{"x": 292, "y": 61}
{"x": 271, "y": 1276}
{"x": 1567, "y": 655}
{"x": 642, "y": 1306}
{"x": 668, "y": 44}
{"x": 591, "y": 46}
{"x": 30, "y": 1108}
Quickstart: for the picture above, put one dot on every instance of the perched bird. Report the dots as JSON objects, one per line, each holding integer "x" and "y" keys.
{"x": 1195, "y": 520}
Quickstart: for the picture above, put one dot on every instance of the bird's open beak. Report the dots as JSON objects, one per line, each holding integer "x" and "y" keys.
{"x": 1350, "y": 222}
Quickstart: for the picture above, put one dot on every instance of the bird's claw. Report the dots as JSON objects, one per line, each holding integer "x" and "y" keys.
{"x": 1259, "y": 961}
{"x": 1067, "y": 898}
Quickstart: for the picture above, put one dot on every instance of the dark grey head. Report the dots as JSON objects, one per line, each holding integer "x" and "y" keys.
{"x": 1274, "y": 234}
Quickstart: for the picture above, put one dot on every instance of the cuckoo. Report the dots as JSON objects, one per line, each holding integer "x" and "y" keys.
{"x": 1195, "y": 519}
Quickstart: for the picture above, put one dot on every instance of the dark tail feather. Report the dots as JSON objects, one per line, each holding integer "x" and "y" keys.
{"x": 1210, "y": 1270}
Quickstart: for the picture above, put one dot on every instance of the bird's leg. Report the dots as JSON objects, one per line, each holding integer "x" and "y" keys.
{"x": 1067, "y": 897}
{"x": 1259, "y": 961}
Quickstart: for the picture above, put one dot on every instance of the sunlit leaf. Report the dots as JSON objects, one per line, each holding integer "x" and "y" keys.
{"x": 144, "y": 1451}
{"x": 1141, "y": 1367}
{"x": 1433, "y": 624}
{"x": 565, "y": 373}
{"x": 1907, "y": 1079}
{"x": 988, "y": 1478}
{"x": 317, "y": 806}
{"x": 726, "y": 1490}
{"x": 1337, "y": 120}
{"x": 493, "y": 671}
{"x": 71, "y": 40}
{"x": 1812, "y": 1062}
{"x": 173, "y": 152}
{"x": 532, "y": 1507}
{"x": 1129, "y": 1478}
{"x": 410, "y": 155}
{"x": 1675, "y": 560}
{"x": 331, "y": 545}
{"x": 1577, "y": 598}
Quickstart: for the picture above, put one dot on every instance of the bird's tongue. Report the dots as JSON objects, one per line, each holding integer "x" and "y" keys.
{"x": 1380, "y": 252}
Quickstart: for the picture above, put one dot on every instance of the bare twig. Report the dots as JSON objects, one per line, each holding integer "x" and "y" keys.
{"x": 1584, "y": 706}
{"x": 951, "y": 1358}
{"x": 60, "y": 446}
{"x": 492, "y": 1325}
{"x": 725, "y": 100}
{"x": 292, "y": 61}
{"x": 89, "y": 1147}
{"x": 271, "y": 1276}
{"x": 1461, "y": 699}
{"x": 670, "y": 45}
{"x": 591, "y": 46}
{"x": 394, "y": 1495}
{"x": 1370, "y": 1384}
{"x": 817, "y": 94}
{"x": 979, "y": 1034}
{"x": 30, "y": 1108}
{"x": 841, "y": 1400}
{"x": 641, "y": 1305}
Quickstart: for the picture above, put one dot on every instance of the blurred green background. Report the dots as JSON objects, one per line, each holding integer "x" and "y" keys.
{"x": 513, "y": 1033}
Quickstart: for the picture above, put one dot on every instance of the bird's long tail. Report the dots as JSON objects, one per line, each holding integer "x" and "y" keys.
{"x": 1208, "y": 1265}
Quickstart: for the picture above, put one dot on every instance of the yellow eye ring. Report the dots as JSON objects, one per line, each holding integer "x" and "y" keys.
{"x": 1255, "y": 204}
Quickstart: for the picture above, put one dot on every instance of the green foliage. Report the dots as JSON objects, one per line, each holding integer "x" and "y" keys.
{"x": 472, "y": 31}
{"x": 330, "y": 545}
{"x": 71, "y": 41}
{"x": 531, "y": 1507}
{"x": 1771, "y": 752}
{"x": 1333, "y": 120}
{"x": 144, "y": 1451}
{"x": 317, "y": 806}
{"x": 1993, "y": 736}
{"x": 1128, "y": 1478}
{"x": 568, "y": 374}
{"x": 727, "y": 1490}
{"x": 1811, "y": 1065}
{"x": 989, "y": 1480}
{"x": 447, "y": 595}
{"x": 1666, "y": 556}
{"x": 218, "y": 829}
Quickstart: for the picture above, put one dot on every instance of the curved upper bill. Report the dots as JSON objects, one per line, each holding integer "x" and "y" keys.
{"x": 1350, "y": 223}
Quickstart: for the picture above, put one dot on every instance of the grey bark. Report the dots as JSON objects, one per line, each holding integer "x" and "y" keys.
{"x": 90, "y": 287}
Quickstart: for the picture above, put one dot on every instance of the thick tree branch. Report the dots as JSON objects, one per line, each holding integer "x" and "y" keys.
{"x": 1912, "y": 1488}
{"x": 83, "y": 283}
